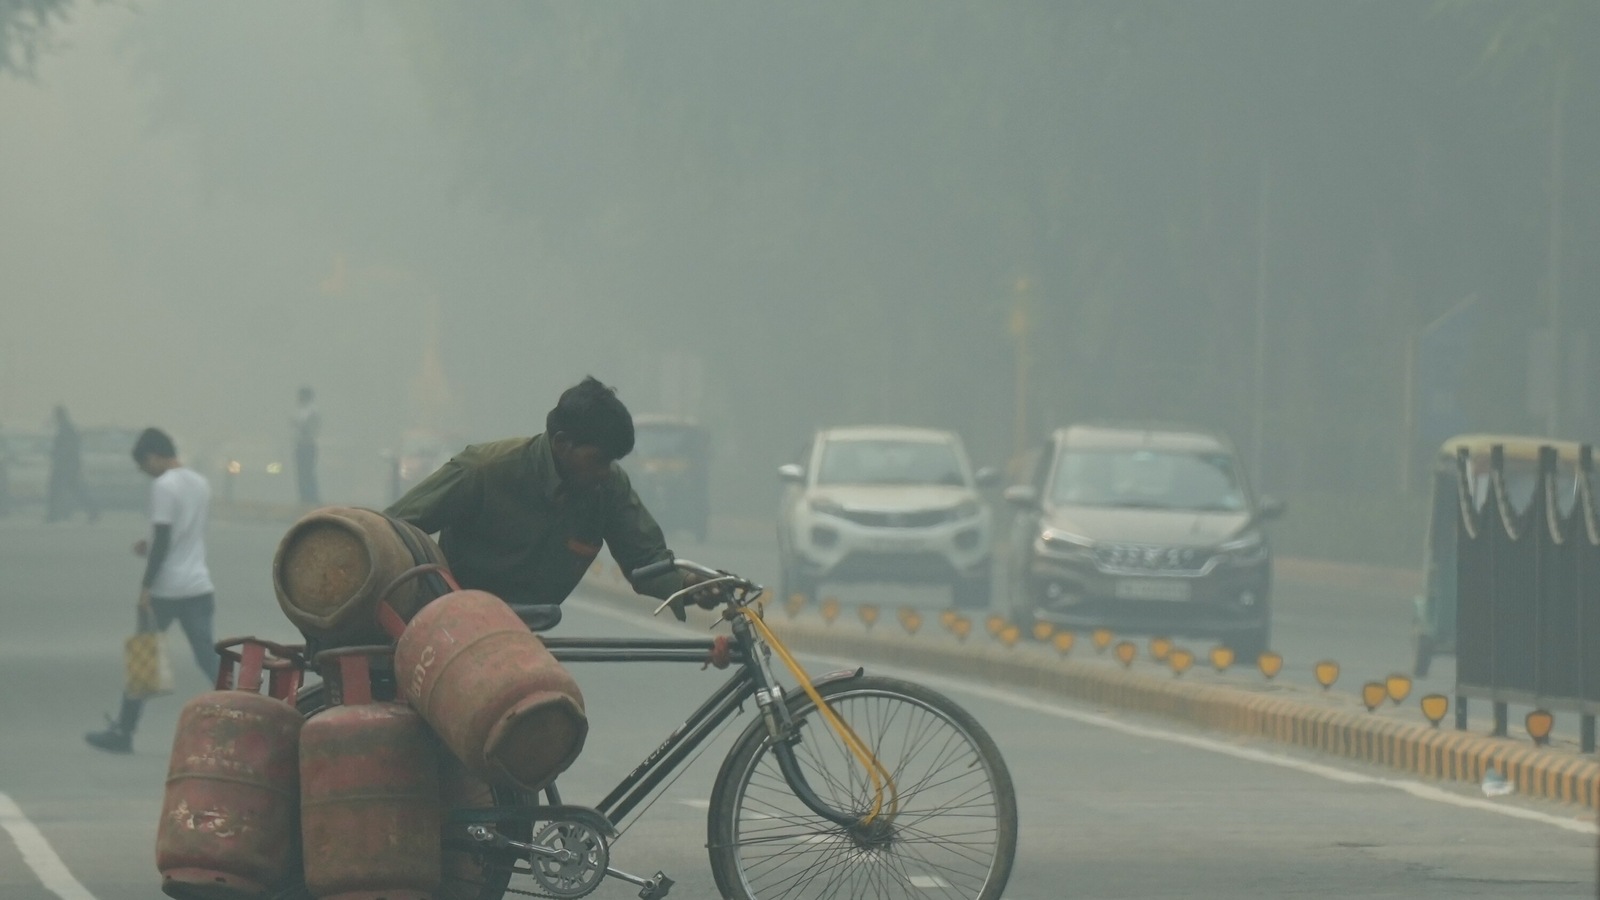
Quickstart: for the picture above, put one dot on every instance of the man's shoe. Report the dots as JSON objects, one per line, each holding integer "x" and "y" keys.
{"x": 112, "y": 740}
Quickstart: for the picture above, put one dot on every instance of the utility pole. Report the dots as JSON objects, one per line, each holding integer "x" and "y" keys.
{"x": 1259, "y": 414}
{"x": 1553, "y": 274}
{"x": 1021, "y": 323}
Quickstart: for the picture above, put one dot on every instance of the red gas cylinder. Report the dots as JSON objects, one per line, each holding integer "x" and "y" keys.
{"x": 332, "y": 566}
{"x": 496, "y": 696}
{"x": 369, "y": 792}
{"x": 228, "y": 820}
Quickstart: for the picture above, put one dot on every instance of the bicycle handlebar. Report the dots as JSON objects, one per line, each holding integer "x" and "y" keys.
{"x": 712, "y": 578}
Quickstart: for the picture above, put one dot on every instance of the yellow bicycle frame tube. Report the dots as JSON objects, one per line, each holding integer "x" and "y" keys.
{"x": 875, "y": 769}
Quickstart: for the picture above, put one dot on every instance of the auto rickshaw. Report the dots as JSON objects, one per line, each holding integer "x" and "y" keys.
{"x": 669, "y": 469}
{"x": 1434, "y": 628}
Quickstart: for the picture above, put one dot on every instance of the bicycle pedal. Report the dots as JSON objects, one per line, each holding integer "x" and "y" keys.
{"x": 656, "y": 888}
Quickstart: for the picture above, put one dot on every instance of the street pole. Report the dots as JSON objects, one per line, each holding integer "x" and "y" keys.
{"x": 1258, "y": 425}
{"x": 1021, "y": 315}
{"x": 1553, "y": 276}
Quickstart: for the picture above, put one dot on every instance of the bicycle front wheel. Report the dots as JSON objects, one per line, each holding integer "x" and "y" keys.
{"x": 951, "y": 834}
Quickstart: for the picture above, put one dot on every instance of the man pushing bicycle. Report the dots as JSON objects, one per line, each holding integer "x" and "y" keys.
{"x": 524, "y": 518}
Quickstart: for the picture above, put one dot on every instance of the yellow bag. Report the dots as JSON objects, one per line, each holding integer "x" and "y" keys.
{"x": 149, "y": 671}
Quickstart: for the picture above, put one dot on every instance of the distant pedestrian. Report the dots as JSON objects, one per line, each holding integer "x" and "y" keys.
{"x": 307, "y": 424}
{"x": 67, "y": 493}
{"x": 177, "y": 583}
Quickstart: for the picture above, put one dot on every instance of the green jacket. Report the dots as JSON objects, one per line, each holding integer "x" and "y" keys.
{"x": 509, "y": 525}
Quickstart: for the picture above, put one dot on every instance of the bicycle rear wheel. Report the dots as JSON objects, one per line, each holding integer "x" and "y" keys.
{"x": 953, "y": 835}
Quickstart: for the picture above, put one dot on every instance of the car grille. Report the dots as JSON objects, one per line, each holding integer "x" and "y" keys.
{"x": 921, "y": 518}
{"x": 1151, "y": 558}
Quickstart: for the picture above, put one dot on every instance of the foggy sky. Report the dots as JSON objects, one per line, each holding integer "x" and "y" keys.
{"x": 763, "y": 218}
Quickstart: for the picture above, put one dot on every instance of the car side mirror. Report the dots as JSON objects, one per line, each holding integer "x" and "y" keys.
{"x": 1269, "y": 508}
{"x": 792, "y": 473}
{"x": 986, "y": 476}
{"x": 1022, "y": 496}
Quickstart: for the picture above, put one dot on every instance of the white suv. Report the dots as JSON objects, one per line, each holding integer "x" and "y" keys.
{"x": 886, "y": 504}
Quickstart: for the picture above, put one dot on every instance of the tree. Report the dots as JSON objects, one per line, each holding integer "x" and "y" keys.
{"x": 25, "y": 32}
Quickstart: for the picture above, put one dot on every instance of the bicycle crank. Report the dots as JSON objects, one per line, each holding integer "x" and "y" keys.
{"x": 569, "y": 859}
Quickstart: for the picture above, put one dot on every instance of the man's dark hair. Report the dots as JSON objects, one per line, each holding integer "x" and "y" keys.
{"x": 153, "y": 442}
{"x": 590, "y": 413}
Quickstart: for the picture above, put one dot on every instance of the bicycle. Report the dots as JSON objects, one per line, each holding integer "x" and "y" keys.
{"x": 854, "y": 785}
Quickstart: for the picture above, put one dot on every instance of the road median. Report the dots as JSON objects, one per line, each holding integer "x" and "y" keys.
{"x": 1322, "y": 721}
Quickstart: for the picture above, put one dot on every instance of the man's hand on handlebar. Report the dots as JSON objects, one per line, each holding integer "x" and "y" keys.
{"x": 709, "y": 598}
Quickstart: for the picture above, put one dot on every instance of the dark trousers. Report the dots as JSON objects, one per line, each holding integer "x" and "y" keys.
{"x": 305, "y": 472}
{"x": 194, "y": 615}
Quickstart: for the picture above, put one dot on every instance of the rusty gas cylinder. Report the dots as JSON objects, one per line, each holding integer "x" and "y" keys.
{"x": 496, "y": 696}
{"x": 333, "y": 565}
{"x": 369, "y": 792}
{"x": 228, "y": 819}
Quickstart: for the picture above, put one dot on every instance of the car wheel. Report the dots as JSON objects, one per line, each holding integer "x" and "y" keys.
{"x": 971, "y": 593}
{"x": 1247, "y": 646}
{"x": 791, "y": 583}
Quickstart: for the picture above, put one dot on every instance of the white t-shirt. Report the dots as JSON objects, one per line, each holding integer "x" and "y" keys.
{"x": 180, "y": 498}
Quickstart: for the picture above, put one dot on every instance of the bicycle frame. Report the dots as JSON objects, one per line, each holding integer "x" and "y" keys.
{"x": 749, "y": 682}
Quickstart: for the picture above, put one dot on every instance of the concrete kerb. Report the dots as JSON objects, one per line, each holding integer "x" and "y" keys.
{"x": 1421, "y": 750}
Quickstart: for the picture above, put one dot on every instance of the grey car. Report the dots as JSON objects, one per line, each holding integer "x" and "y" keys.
{"x": 1142, "y": 530}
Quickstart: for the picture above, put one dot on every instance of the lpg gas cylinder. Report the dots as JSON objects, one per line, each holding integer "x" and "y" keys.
{"x": 333, "y": 565}
{"x": 369, "y": 792}
{"x": 228, "y": 818}
{"x": 496, "y": 696}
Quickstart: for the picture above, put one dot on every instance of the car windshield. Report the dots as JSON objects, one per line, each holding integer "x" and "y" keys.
{"x": 1148, "y": 479}
{"x": 890, "y": 462}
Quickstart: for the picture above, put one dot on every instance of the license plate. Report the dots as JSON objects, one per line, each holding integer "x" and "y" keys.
{"x": 892, "y": 546}
{"x": 1152, "y": 589}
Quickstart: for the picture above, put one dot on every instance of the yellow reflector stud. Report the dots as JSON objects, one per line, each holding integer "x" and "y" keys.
{"x": 1434, "y": 706}
{"x": 1327, "y": 673}
{"x": 1063, "y": 641}
{"x": 1221, "y": 657}
{"x": 1373, "y": 693}
{"x": 1180, "y": 660}
{"x": 1102, "y": 639}
{"x": 1539, "y": 723}
{"x": 1043, "y": 630}
{"x": 1159, "y": 648}
{"x": 948, "y": 618}
{"x": 961, "y": 627}
{"x": 1126, "y": 651}
{"x": 869, "y": 615}
{"x": 795, "y": 603}
{"x": 1270, "y": 663}
{"x": 1398, "y": 686}
{"x": 995, "y": 623}
{"x": 1009, "y": 635}
{"x": 830, "y": 609}
{"x": 910, "y": 620}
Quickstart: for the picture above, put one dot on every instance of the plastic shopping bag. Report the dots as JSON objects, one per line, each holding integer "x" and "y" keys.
{"x": 149, "y": 672}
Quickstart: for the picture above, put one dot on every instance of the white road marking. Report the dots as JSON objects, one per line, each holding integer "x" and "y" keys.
{"x": 1414, "y": 788}
{"x": 928, "y": 881}
{"x": 38, "y": 854}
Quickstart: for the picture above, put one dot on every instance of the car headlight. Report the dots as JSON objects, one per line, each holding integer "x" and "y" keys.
{"x": 825, "y": 506}
{"x": 966, "y": 509}
{"x": 1246, "y": 549}
{"x": 1061, "y": 542}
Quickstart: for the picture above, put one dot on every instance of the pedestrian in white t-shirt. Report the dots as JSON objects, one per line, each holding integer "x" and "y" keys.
{"x": 177, "y": 584}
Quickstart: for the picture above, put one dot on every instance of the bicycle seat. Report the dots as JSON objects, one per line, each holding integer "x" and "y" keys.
{"x": 537, "y": 616}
